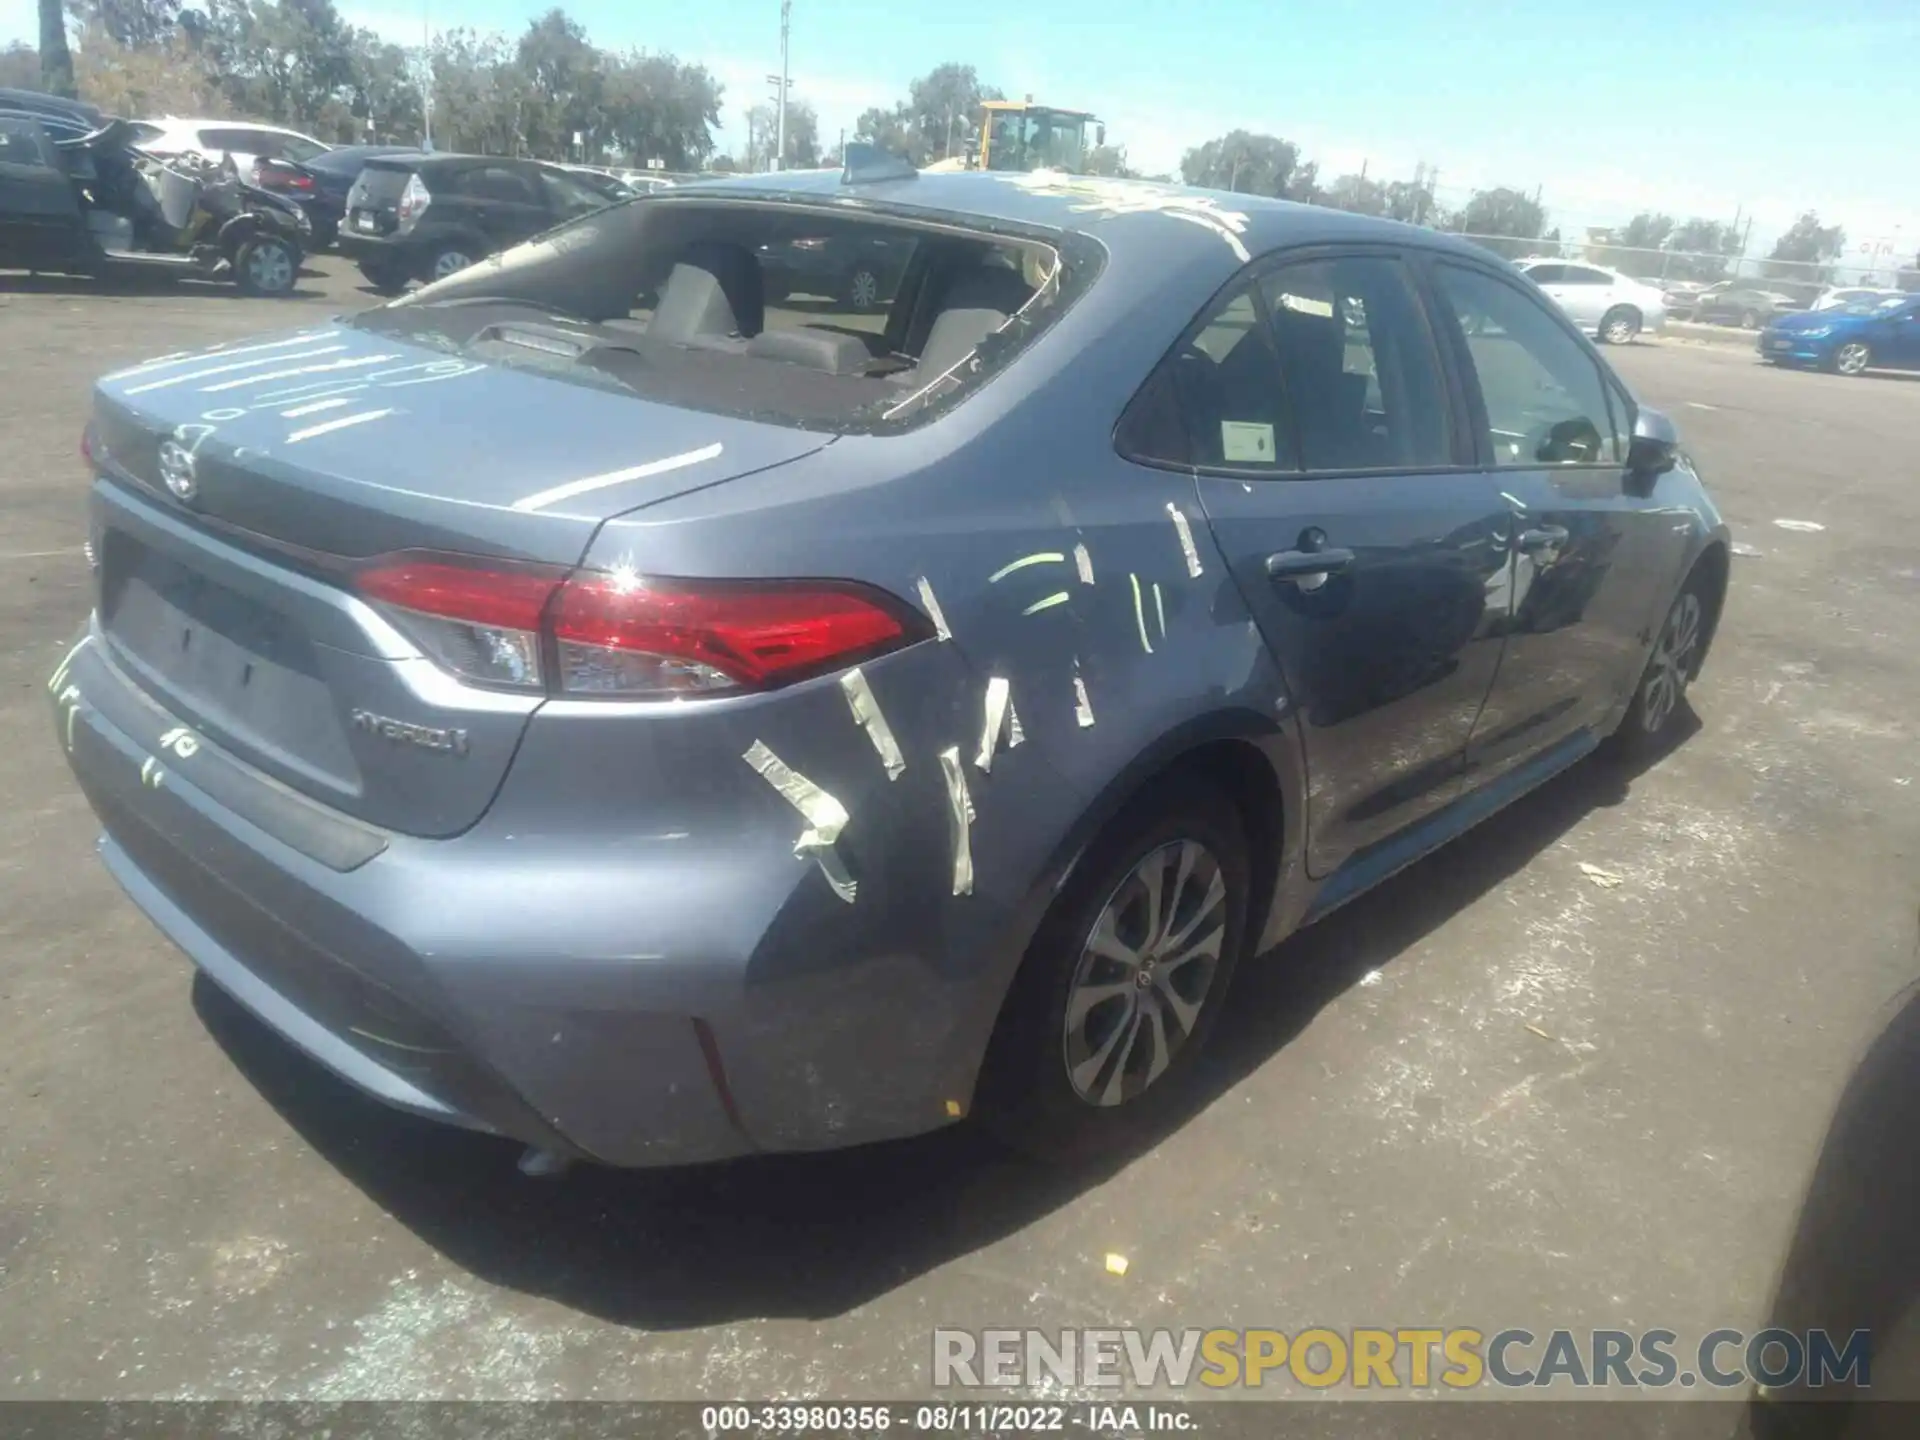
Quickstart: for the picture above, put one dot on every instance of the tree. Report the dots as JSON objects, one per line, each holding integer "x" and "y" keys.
{"x": 19, "y": 67}
{"x": 566, "y": 84}
{"x": 1250, "y": 163}
{"x": 56, "y": 60}
{"x": 1357, "y": 195}
{"x": 657, "y": 108}
{"x": 889, "y": 129}
{"x": 1700, "y": 250}
{"x": 165, "y": 77}
{"x": 1512, "y": 215}
{"x": 1637, "y": 248}
{"x": 1807, "y": 251}
{"x": 1110, "y": 161}
{"x": 134, "y": 24}
{"x": 943, "y": 111}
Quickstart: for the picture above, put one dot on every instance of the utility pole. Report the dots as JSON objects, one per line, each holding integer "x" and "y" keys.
{"x": 780, "y": 141}
{"x": 426, "y": 81}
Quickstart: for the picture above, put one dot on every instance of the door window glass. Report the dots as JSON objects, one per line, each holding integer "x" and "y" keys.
{"x": 567, "y": 197}
{"x": 1226, "y": 382}
{"x": 20, "y": 144}
{"x": 1547, "y": 274}
{"x": 1577, "y": 275}
{"x": 1358, "y": 362}
{"x": 494, "y": 182}
{"x": 1545, "y": 402}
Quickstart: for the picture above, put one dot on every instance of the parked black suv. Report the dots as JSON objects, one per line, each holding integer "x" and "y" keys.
{"x": 422, "y": 217}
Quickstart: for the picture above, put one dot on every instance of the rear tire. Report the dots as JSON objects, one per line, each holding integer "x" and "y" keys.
{"x": 1661, "y": 696}
{"x": 386, "y": 279}
{"x": 449, "y": 260}
{"x": 1619, "y": 325}
{"x": 861, "y": 289}
{"x": 1094, "y": 1049}
{"x": 1749, "y": 319}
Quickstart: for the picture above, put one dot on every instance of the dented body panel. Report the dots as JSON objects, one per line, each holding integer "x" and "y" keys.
{"x": 655, "y": 932}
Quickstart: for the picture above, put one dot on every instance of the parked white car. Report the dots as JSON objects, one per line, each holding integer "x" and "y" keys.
{"x": 1841, "y": 296}
{"x": 244, "y": 140}
{"x": 1611, "y": 307}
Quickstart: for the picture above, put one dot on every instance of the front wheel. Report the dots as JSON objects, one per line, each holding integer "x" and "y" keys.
{"x": 267, "y": 266}
{"x": 1662, "y": 693}
{"x": 449, "y": 260}
{"x": 1853, "y": 358}
{"x": 1620, "y": 325}
{"x": 1124, "y": 980}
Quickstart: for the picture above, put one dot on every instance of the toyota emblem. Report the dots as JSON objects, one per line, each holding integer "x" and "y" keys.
{"x": 176, "y": 469}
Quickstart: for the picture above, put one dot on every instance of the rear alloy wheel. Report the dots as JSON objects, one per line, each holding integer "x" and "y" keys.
{"x": 1125, "y": 978}
{"x": 863, "y": 288}
{"x": 1749, "y": 319}
{"x": 1620, "y": 325}
{"x": 1852, "y": 358}
{"x": 449, "y": 260}
{"x": 1670, "y": 669}
{"x": 266, "y": 266}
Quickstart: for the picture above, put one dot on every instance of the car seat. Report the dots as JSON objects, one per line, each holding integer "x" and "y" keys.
{"x": 714, "y": 299}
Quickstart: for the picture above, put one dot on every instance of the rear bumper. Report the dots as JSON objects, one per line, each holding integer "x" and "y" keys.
{"x": 476, "y": 981}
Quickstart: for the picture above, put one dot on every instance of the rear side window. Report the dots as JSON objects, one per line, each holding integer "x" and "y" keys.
{"x": 1359, "y": 366}
{"x": 20, "y": 145}
{"x": 1219, "y": 401}
{"x": 1546, "y": 274}
{"x": 1545, "y": 401}
{"x": 380, "y": 184}
{"x": 496, "y": 182}
{"x": 1579, "y": 275}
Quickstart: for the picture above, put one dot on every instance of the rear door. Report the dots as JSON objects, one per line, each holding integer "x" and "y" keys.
{"x": 1585, "y": 295}
{"x": 1595, "y": 558}
{"x": 39, "y": 214}
{"x": 1369, "y": 547}
{"x": 502, "y": 201}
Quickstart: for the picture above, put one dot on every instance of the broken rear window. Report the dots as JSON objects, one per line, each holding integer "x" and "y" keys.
{"x": 819, "y": 316}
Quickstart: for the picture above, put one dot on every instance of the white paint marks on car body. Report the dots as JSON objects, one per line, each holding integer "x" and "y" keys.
{"x": 313, "y": 408}
{"x": 161, "y": 362}
{"x": 327, "y": 369}
{"x": 1140, "y": 614}
{"x": 188, "y": 376}
{"x": 1046, "y": 602}
{"x": 826, "y": 817}
{"x": 540, "y": 499}
{"x": 959, "y": 819}
{"x": 345, "y": 422}
{"x": 1187, "y": 547}
{"x": 1039, "y": 557}
{"x": 1159, "y": 610}
{"x": 925, "y": 587}
{"x": 867, "y": 713}
{"x": 1112, "y": 198}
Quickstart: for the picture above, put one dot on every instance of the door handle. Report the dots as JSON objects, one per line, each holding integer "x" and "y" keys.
{"x": 1308, "y": 568}
{"x": 1544, "y": 537}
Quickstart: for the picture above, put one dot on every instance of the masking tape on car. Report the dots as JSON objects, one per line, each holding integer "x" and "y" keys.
{"x": 866, "y": 710}
{"x": 1039, "y": 557}
{"x": 925, "y": 587}
{"x": 959, "y": 820}
{"x": 1139, "y": 615}
{"x": 1186, "y": 540}
{"x": 999, "y": 702}
{"x": 1015, "y": 735}
{"x": 1082, "y": 706}
{"x": 1083, "y": 562}
{"x": 826, "y": 816}
{"x": 1159, "y": 610}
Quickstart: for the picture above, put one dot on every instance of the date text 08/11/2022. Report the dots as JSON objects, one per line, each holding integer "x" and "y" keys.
{"x": 944, "y": 1419}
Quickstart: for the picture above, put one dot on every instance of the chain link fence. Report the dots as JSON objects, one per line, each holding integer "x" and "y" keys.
{"x": 1798, "y": 280}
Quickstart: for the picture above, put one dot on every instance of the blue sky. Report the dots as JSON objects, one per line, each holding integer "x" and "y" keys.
{"x": 1768, "y": 106}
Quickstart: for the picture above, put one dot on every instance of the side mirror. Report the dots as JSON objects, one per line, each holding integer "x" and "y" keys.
{"x": 1655, "y": 447}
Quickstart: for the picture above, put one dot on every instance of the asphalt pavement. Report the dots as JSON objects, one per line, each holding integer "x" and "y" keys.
{"x": 1577, "y": 1070}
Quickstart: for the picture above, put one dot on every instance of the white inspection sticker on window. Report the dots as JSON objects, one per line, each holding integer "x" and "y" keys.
{"x": 1246, "y": 442}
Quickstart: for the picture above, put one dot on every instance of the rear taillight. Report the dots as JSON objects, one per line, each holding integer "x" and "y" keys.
{"x": 414, "y": 200}
{"x": 624, "y": 637}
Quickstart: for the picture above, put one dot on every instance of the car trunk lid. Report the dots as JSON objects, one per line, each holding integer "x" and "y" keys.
{"x": 243, "y": 487}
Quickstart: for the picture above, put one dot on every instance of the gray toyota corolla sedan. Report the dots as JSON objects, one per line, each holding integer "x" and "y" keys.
{"x": 585, "y": 702}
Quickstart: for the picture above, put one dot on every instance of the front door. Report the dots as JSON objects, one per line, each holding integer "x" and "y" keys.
{"x": 1594, "y": 555}
{"x": 39, "y": 214}
{"x": 504, "y": 204}
{"x": 1902, "y": 345}
{"x": 1370, "y": 550}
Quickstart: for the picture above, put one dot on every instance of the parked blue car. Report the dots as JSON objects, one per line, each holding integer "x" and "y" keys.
{"x": 1852, "y": 340}
{"x": 592, "y": 702}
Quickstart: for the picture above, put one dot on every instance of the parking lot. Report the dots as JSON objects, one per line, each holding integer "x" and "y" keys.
{"x": 1577, "y": 1071}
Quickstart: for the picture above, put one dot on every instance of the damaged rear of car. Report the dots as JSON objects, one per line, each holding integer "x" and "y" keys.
{"x": 511, "y": 695}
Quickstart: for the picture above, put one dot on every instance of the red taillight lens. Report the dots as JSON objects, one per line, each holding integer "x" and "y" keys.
{"x": 481, "y": 622}
{"x": 635, "y": 637}
{"x": 620, "y": 636}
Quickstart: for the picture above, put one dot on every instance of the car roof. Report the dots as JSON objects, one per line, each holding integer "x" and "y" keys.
{"x": 443, "y": 160}
{"x": 187, "y": 122}
{"x": 1133, "y": 219}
